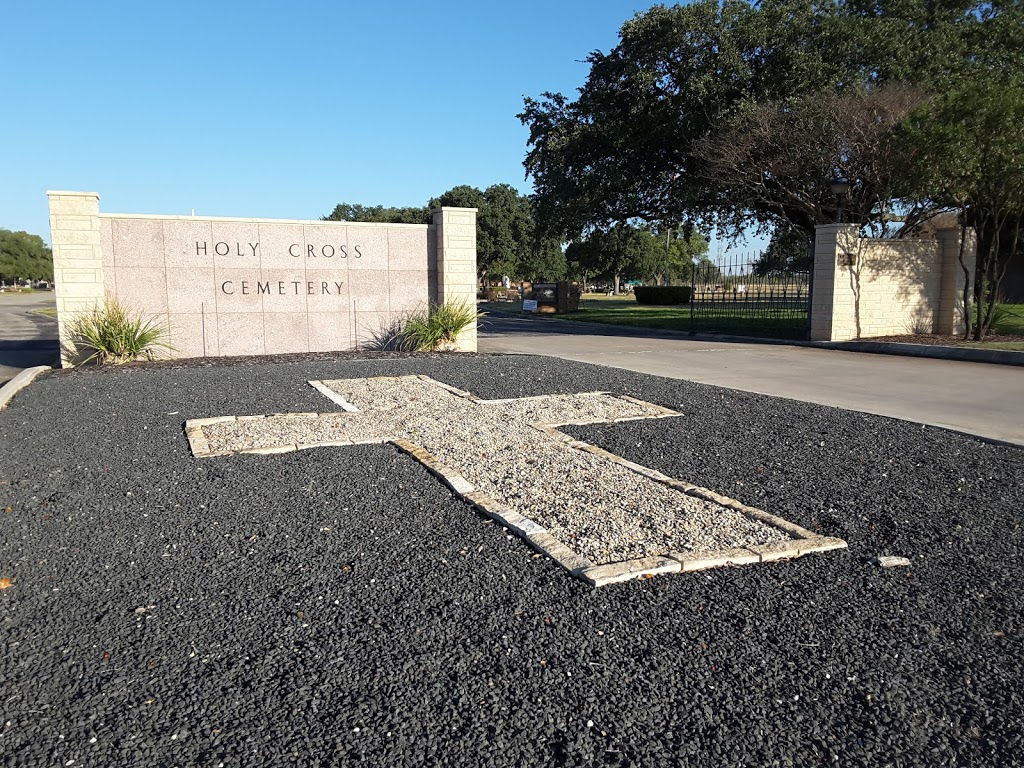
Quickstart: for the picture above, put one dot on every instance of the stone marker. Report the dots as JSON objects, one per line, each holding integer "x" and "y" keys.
{"x": 889, "y": 561}
{"x": 603, "y": 518}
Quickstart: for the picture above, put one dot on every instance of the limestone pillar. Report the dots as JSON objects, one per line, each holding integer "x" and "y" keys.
{"x": 834, "y": 300}
{"x": 77, "y": 256}
{"x": 950, "y": 314}
{"x": 456, "y": 263}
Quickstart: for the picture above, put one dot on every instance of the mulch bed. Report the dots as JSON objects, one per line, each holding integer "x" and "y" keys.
{"x": 341, "y": 606}
{"x": 941, "y": 340}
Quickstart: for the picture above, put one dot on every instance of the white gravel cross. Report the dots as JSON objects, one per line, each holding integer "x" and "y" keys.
{"x": 603, "y": 518}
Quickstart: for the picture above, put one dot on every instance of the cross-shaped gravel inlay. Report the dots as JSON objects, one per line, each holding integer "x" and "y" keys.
{"x": 603, "y": 518}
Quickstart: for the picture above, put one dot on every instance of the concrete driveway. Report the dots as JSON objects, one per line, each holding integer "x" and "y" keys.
{"x": 26, "y": 337}
{"x": 978, "y": 398}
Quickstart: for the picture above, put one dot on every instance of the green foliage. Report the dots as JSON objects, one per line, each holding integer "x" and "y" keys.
{"x": 967, "y": 151}
{"x": 24, "y": 257}
{"x": 788, "y": 251}
{"x": 378, "y": 214}
{"x": 461, "y": 196}
{"x": 637, "y": 253}
{"x": 624, "y": 149}
{"x": 777, "y": 159}
{"x": 795, "y": 79}
{"x": 436, "y": 328}
{"x": 507, "y": 241}
{"x": 686, "y": 245}
{"x": 662, "y": 295}
{"x": 1009, "y": 319}
{"x": 110, "y": 333}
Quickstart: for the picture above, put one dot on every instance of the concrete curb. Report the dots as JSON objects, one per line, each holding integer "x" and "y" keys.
{"x": 963, "y": 354}
{"x": 18, "y": 383}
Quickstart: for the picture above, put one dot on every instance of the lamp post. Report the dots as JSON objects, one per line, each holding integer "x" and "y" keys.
{"x": 840, "y": 188}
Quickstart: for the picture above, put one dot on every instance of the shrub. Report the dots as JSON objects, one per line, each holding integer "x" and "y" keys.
{"x": 662, "y": 295}
{"x": 437, "y": 328}
{"x": 110, "y": 333}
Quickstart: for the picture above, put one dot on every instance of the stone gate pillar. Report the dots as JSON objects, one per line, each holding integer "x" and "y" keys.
{"x": 833, "y": 299}
{"x": 77, "y": 256}
{"x": 456, "y": 263}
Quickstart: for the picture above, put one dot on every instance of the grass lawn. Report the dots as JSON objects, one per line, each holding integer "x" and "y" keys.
{"x": 48, "y": 311}
{"x": 1010, "y": 320}
{"x": 1013, "y": 346}
{"x": 735, "y": 318}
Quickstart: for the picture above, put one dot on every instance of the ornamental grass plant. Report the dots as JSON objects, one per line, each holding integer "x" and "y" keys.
{"x": 434, "y": 329}
{"x": 111, "y": 333}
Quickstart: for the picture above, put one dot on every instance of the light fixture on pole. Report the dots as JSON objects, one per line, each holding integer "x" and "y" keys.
{"x": 840, "y": 188}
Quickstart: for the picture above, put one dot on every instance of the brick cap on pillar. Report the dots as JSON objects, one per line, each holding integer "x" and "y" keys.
{"x": 51, "y": 192}
{"x": 452, "y": 208}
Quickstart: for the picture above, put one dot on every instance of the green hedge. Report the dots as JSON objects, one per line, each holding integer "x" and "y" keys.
{"x": 662, "y": 294}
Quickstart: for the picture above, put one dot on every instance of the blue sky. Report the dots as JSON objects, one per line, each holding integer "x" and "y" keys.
{"x": 277, "y": 110}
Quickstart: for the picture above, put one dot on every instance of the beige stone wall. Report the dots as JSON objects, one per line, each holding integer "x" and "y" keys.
{"x": 866, "y": 288}
{"x": 258, "y": 286}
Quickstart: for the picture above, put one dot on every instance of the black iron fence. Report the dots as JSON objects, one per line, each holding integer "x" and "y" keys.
{"x": 736, "y": 295}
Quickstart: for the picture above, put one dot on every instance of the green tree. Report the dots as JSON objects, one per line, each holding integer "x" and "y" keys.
{"x": 624, "y": 149}
{"x": 506, "y": 242}
{"x": 543, "y": 259}
{"x": 677, "y": 250}
{"x": 788, "y": 251}
{"x": 378, "y": 214}
{"x": 461, "y": 196}
{"x": 633, "y": 145}
{"x": 966, "y": 151}
{"x": 24, "y": 257}
{"x": 776, "y": 160}
{"x": 618, "y": 253}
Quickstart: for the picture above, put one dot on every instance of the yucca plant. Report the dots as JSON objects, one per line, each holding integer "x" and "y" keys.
{"x": 111, "y": 333}
{"x": 438, "y": 327}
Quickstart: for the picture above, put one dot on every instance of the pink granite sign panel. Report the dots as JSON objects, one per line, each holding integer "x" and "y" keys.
{"x": 246, "y": 286}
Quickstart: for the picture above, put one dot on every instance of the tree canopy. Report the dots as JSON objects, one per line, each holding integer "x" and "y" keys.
{"x": 630, "y": 252}
{"x": 647, "y": 135}
{"x": 24, "y": 257}
{"x": 378, "y": 214}
{"x": 508, "y": 242}
{"x": 740, "y": 114}
{"x": 966, "y": 150}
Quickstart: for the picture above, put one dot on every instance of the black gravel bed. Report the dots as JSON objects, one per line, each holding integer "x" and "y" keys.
{"x": 340, "y": 606}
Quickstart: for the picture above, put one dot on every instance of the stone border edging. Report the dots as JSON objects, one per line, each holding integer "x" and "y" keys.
{"x": 19, "y": 382}
{"x": 900, "y": 349}
{"x": 801, "y": 541}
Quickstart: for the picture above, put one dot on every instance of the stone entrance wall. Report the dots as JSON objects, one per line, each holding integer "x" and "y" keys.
{"x": 259, "y": 286}
{"x": 866, "y": 287}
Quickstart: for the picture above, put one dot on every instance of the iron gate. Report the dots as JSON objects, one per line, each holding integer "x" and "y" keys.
{"x": 739, "y": 296}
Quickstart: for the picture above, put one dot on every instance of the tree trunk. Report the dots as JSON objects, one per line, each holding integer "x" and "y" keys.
{"x": 968, "y": 310}
{"x": 615, "y": 289}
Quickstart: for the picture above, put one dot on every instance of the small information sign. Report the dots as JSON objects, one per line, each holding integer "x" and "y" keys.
{"x": 529, "y": 305}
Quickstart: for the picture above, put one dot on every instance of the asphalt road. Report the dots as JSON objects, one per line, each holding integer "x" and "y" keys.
{"x": 978, "y": 398}
{"x": 26, "y": 338}
{"x": 339, "y": 606}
